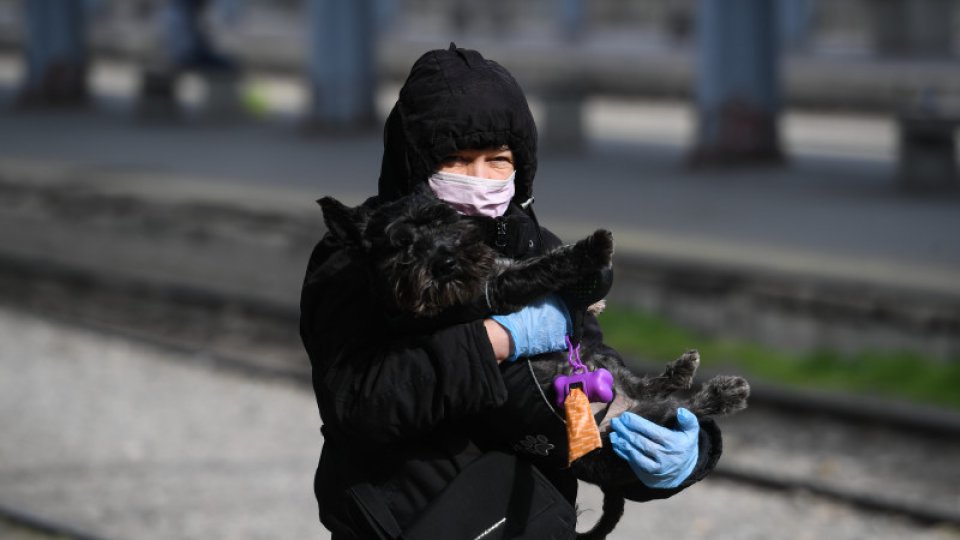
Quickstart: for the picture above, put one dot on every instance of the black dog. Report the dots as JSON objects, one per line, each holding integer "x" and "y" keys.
{"x": 429, "y": 263}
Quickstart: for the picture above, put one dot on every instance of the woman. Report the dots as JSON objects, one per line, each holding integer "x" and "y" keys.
{"x": 410, "y": 447}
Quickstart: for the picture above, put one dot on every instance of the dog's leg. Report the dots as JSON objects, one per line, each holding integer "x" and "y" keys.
{"x": 724, "y": 394}
{"x": 519, "y": 284}
{"x": 677, "y": 376}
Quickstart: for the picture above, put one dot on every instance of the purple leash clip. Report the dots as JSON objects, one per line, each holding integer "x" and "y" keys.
{"x": 597, "y": 385}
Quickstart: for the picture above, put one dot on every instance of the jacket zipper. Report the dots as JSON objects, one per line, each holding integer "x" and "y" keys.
{"x": 501, "y": 239}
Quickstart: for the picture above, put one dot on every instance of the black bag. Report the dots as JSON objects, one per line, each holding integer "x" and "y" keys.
{"x": 496, "y": 497}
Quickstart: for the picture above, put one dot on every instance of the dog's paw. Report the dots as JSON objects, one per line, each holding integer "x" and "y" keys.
{"x": 597, "y": 249}
{"x": 680, "y": 372}
{"x": 724, "y": 394}
{"x": 597, "y": 307}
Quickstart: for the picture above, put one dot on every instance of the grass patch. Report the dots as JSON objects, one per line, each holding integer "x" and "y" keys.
{"x": 900, "y": 375}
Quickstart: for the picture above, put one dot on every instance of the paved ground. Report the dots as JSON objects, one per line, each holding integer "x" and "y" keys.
{"x": 127, "y": 442}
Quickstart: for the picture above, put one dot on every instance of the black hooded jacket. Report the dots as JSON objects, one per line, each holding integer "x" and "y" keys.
{"x": 400, "y": 410}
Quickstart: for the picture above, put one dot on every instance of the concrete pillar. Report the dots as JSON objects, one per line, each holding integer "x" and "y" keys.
{"x": 341, "y": 64}
{"x": 738, "y": 82}
{"x": 56, "y": 53}
{"x": 794, "y": 17}
{"x": 572, "y": 19}
{"x": 386, "y": 13}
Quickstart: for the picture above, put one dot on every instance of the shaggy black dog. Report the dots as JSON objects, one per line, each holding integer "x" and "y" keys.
{"x": 428, "y": 263}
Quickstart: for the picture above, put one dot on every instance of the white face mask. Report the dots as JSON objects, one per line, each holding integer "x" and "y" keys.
{"x": 473, "y": 196}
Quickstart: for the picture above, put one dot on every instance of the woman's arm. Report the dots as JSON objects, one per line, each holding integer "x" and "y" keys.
{"x": 499, "y": 339}
{"x": 382, "y": 386}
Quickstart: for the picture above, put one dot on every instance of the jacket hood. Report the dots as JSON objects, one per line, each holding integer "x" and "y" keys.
{"x": 455, "y": 99}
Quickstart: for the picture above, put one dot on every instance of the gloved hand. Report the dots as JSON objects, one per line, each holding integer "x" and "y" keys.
{"x": 660, "y": 457}
{"x": 537, "y": 328}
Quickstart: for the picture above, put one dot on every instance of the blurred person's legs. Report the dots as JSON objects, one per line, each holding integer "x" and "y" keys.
{"x": 56, "y": 53}
{"x": 189, "y": 47}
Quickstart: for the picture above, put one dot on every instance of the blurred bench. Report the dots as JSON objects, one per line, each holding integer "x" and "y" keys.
{"x": 928, "y": 149}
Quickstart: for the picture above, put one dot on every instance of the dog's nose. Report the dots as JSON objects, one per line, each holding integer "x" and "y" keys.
{"x": 445, "y": 266}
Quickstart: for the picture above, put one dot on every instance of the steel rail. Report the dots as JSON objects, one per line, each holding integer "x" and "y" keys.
{"x": 42, "y": 525}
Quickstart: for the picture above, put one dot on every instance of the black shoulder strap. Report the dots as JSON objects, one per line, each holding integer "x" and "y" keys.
{"x": 376, "y": 512}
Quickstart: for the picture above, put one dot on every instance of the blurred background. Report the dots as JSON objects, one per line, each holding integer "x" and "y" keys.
{"x": 781, "y": 178}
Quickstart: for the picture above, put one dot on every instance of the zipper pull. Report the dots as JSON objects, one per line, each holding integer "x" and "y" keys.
{"x": 501, "y": 240}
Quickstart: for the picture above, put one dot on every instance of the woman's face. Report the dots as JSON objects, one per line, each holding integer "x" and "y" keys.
{"x": 492, "y": 163}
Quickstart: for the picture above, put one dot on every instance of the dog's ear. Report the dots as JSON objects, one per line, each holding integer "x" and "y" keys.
{"x": 342, "y": 221}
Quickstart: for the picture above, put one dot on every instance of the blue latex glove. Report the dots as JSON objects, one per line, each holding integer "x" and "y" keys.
{"x": 660, "y": 457}
{"x": 538, "y": 328}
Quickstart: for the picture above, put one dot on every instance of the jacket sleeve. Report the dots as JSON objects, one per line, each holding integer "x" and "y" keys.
{"x": 378, "y": 385}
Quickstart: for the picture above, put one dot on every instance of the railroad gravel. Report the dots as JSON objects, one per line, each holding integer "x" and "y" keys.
{"x": 124, "y": 440}
{"x": 882, "y": 462}
{"x": 114, "y": 438}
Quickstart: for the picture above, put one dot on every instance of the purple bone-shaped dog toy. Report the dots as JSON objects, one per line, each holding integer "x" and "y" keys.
{"x": 598, "y": 385}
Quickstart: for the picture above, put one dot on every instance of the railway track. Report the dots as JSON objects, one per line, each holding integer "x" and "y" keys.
{"x": 260, "y": 341}
{"x": 17, "y": 525}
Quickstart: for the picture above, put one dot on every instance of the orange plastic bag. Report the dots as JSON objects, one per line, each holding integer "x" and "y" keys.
{"x": 583, "y": 434}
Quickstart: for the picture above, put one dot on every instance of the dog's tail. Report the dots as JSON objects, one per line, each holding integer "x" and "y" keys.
{"x": 613, "y": 502}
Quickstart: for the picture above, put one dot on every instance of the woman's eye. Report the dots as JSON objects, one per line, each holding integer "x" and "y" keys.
{"x": 454, "y": 160}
